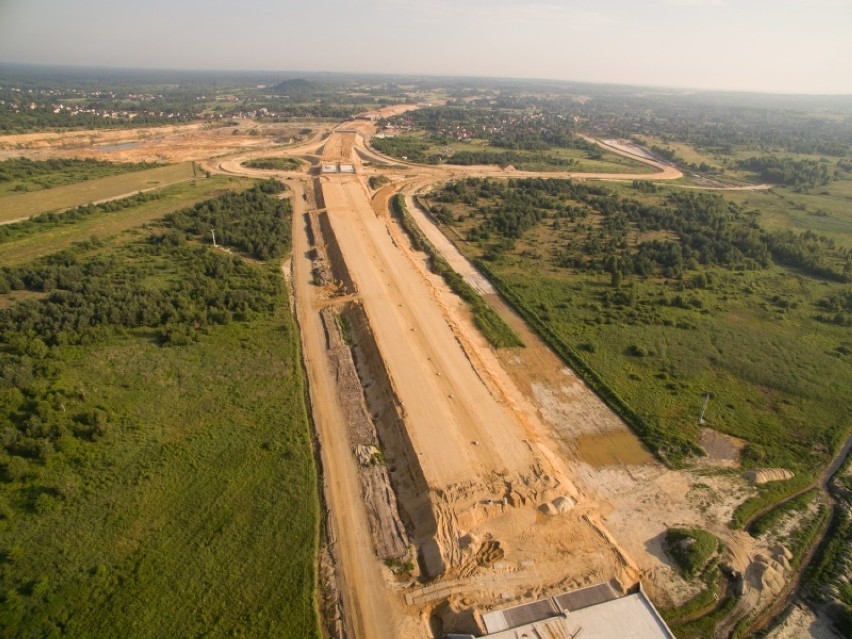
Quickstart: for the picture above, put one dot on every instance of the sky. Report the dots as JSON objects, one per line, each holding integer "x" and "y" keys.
{"x": 781, "y": 46}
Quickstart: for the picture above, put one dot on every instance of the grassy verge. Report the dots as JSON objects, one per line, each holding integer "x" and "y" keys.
{"x": 492, "y": 326}
{"x": 805, "y": 535}
{"x": 26, "y": 205}
{"x": 768, "y": 494}
{"x": 827, "y": 577}
{"x": 705, "y": 626}
{"x": 274, "y": 164}
{"x": 796, "y": 505}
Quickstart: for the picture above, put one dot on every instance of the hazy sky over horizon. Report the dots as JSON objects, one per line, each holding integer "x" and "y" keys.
{"x": 792, "y": 46}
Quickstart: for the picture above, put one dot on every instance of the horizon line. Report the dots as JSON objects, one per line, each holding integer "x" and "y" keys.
{"x": 244, "y": 71}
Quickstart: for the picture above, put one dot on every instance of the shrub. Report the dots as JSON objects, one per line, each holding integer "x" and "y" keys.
{"x": 691, "y": 549}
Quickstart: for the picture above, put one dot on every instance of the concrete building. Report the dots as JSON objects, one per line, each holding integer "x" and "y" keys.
{"x": 596, "y": 612}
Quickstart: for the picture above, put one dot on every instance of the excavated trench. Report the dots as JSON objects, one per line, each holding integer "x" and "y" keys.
{"x": 406, "y": 474}
{"x": 388, "y": 533}
{"x": 332, "y": 252}
{"x": 393, "y": 485}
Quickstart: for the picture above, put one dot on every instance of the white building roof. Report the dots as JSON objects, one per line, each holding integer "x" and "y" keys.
{"x": 629, "y": 617}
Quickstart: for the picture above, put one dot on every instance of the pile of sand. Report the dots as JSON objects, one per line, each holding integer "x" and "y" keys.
{"x": 558, "y": 506}
{"x": 765, "y": 475}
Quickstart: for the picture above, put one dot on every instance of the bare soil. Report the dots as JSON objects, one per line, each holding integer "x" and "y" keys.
{"x": 179, "y": 143}
{"x": 801, "y": 623}
{"x": 722, "y": 450}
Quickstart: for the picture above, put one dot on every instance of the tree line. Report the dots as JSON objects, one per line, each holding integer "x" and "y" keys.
{"x": 251, "y": 221}
{"x": 698, "y": 229}
{"x": 792, "y": 172}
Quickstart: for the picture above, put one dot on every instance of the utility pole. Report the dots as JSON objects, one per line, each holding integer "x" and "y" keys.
{"x": 213, "y": 233}
{"x": 703, "y": 408}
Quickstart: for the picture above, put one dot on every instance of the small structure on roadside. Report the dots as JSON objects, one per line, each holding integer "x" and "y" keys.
{"x": 334, "y": 167}
{"x": 595, "y": 612}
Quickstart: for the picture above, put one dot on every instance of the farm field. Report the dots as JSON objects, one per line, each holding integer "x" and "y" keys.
{"x": 27, "y": 241}
{"x": 23, "y": 175}
{"x": 157, "y": 471}
{"x": 24, "y": 205}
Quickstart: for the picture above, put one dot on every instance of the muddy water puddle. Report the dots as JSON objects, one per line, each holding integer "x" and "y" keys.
{"x": 611, "y": 449}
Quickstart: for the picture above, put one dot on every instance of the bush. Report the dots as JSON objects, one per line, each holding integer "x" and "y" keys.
{"x": 691, "y": 549}
{"x": 634, "y": 350}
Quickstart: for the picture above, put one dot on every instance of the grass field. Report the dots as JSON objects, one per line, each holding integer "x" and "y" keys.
{"x": 24, "y": 205}
{"x": 553, "y": 159}
{"x": 774, "y": 376}
{"x": 22, "y": 175}
{"x": 198, "y": 517}
{"x": 685, "y": 152}
{"x": 193, "y": 511}
{"x": 826, "y": 210}
{"x": 32, "y": 245}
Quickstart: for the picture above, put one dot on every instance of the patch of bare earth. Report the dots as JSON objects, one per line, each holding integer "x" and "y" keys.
{"x": 801, "y": 623}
